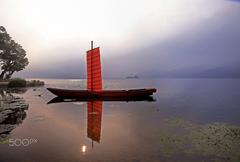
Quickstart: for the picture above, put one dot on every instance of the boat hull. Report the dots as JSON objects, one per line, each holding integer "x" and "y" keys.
{"x": 66, "y": 93}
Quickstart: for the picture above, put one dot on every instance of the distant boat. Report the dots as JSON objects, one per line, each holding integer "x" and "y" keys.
{"x": 94, "y": 83}
{"x": 132, "y": 77}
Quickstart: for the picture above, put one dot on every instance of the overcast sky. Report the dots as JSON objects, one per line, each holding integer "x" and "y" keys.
{"x": 145, "y": 37}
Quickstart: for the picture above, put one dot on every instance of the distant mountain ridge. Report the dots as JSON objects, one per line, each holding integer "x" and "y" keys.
{"x": 219, "y": 72}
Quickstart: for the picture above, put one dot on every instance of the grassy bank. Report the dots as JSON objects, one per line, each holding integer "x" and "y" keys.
{"x": 20, "y": 82}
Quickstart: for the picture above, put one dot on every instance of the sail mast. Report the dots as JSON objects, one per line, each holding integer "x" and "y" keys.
{"x": 92, "y": 82}
{"x": 92, "y": 66}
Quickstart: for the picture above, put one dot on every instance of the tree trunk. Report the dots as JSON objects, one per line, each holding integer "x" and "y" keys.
{"x": 2, "y": 75}
{"x": 9, "y": 75}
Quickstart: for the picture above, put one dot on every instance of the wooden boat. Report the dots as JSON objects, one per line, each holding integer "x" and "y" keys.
{"x": 133, "y": 93}
{"x": 94, "y": 83}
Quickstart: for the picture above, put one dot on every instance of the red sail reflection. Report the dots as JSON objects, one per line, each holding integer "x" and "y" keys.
{"x": 94, "y": 120}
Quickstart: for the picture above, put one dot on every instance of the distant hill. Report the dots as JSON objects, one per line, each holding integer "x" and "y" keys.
{"x": 220, "y": 72}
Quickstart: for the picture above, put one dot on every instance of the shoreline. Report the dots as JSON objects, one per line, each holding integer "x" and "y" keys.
{"x": 29, "y": 83}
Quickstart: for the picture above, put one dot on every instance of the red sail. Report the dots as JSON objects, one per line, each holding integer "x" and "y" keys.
{"x": 94, "y": 121}
{"x": 94, "y": 75}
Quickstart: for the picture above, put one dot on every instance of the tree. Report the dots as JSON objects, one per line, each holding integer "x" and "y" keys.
{"x": 4, "y": 38}
{"x": 12, "y": 55}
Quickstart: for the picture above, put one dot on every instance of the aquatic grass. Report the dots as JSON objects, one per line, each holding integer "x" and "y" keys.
{"x": 215, "y": 139}
{"x": 180, "y": 123}
{"x": 219, "y": 139}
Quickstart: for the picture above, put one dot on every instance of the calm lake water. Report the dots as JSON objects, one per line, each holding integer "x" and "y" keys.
{"x": 190, "y": 120}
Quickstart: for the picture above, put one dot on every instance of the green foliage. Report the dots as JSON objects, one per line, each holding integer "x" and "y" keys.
{"x": 12, "y": 55}
{"x": 34, "y": 83}
{"x": 17, "y": 82}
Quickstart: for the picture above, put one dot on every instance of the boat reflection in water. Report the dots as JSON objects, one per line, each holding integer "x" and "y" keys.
{"x": 94, "y": 110}
{"x": 12, "y": 111}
